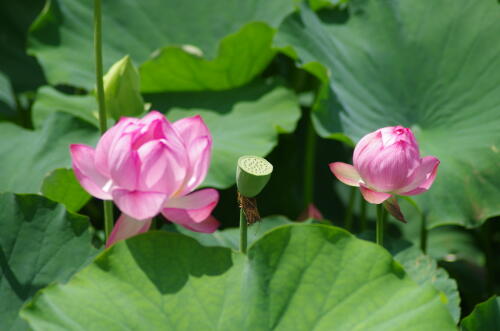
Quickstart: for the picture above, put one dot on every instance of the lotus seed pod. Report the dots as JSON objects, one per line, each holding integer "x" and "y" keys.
{"x": 252, "y": 174}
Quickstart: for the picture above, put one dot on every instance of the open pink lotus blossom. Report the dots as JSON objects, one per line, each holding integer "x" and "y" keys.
{"x": 147, "y": 166}
{"x": 387, "y": 162}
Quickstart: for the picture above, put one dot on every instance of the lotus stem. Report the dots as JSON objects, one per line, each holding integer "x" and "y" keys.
{"x": 362, "y": 214}
{"x": 108, "y": 205}
{"x": 310, "y": 155}
{"x": 350, "y": 206}
{"x": 423, "y": 233}
{"x": 380, "y": 225}
{"x": 243, "y": 232}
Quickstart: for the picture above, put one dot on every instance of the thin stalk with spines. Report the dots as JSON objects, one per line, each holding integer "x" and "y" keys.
{"x": 243, "y": 232}
{"x": 362, "y": 214}
{"x": 380, "y": 225}
{"x": 423, "y": 233}
{"x": 348, "y": 214}
{"x": 108, "y": 205}
{"x": 309, "y": 161}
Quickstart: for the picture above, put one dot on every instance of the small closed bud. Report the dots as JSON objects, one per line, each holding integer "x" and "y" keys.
{"x": 122, "y": 90}
{"x": 252, "y": 175}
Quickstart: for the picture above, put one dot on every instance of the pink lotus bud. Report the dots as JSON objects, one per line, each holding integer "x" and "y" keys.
{"x": 147, "y": 166}
{"x": 388, "y": 162}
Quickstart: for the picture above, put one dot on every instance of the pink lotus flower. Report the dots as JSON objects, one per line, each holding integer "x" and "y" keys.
{"x": 147, "y": 166}
{"x": 387, "y": 162}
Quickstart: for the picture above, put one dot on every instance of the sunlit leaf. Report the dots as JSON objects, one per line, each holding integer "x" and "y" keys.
{"x": 299, "y": 277}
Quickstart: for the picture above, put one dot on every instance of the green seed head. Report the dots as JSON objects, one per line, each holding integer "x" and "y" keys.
{"x": 252, "y": 175}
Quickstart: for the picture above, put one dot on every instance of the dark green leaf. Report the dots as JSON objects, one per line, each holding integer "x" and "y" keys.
{"x": 28, "y": 156}
{"x": 40, "y": 243}
{"x": 429, "y": 65}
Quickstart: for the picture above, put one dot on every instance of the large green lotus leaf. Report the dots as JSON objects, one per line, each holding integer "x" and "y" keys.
{"x": 15, "y": 19}
{"x": 49, "y": 100}
{"x": 40, "y": 243}
{"x": 61, "y": 38}
{"x": 429, "y": 65}
{"x": 485, "y": 316}
{"x": 62, "y": 186}
{"x": 242, "y": 121}
{"x": 299, "y": 277}
{"x": 28, "y": 156}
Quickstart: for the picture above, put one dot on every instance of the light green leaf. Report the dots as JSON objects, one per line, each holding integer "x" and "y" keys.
{"x": 300, "y": 277}
{"x": 62, "y": 186}
{"x": 429, "y": 65}
{"x": 121, "y": 90}
{"x": 242, "y": 121}
{"x": 61, "y": 38}
{"x": 319, "y": 4}
{"x": 28, "y": 156}
{"x": 40, "y": 243}
{"x": 444, "y": 243}
{"x": 49, "y": 100}
{"x": 424, "y": 270}
{"x": 485, "y": 316}
{"x": 241, "y": 56}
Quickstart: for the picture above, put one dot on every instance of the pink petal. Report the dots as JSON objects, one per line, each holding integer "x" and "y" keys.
{"x": 106, "y": 141}
{"x": 373, "y": 196}
{"x": 137, "y": 204}
{"x": 199, "y": 153}
{"x": 151, "y": 127}
{"x": 388, "y": 169}
{"x": 124, "y": 163}
{"x": 346, "y": 173}
{"x": 191, "y": 128}
{"x": 423, "y": 176}
{"x": 311, "y": 212}
{"x": 370, "y": 143}
{"x": 209, "y": 225}
{"x": 90, "y": 178}
{"x": 193, "y": 208}
{"x": 198, "y": 141}
{"x": 127, "y": 227}
{"x": 163, "y": 169}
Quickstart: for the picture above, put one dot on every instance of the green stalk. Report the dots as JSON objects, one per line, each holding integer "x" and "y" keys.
{"x": 350, "y": 206}
{"x": 486, "y": 233}
{"x": 243, "y": 232}
{"x": 310, "y": 155}
{"x": 362, "y": 214}
{"x": 423, "y": 233}
{"x": 380, "y": 225}
{"x": 108, "y": 205}
{"x": 423, "y": 223}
